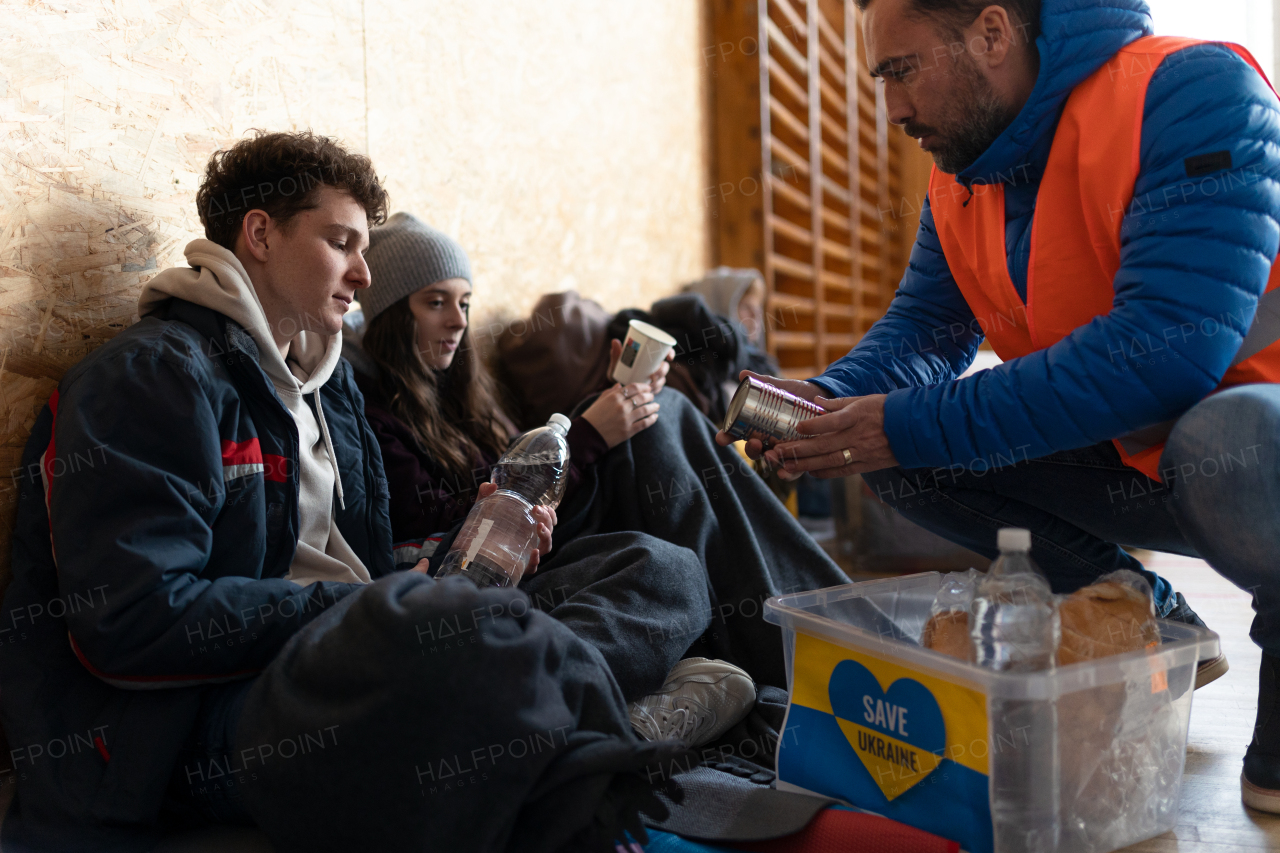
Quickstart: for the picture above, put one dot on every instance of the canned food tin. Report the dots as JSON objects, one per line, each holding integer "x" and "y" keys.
{"x": 763, "y": 411}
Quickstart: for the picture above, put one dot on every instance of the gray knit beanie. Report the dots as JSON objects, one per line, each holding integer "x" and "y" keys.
{"x": 405, "y": 255}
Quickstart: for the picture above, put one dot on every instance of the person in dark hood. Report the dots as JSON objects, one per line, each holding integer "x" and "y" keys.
{"x": 1105, "y": 211}
{"x": 738, "y": 296}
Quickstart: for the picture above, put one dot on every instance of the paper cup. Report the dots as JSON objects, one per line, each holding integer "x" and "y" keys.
{"x": 644, "y": 349}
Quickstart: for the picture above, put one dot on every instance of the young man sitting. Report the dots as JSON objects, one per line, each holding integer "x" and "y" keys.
{"x": 239, "y": 502}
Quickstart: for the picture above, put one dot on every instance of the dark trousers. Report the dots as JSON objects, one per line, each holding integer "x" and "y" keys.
{"x": 1219, "y": 500}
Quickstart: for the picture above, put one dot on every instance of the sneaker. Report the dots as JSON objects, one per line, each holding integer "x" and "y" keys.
{"x": 1209, "y": 669}
{"x": 700, "y": 700}
{"x": 1260, "y": 781}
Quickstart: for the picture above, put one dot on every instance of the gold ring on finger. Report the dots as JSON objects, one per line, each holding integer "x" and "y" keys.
{"x": 848, "y": 457}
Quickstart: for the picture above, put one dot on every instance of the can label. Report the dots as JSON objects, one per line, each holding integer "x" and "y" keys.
{"x": 899, "y": 742}
{"x": 762, "y": 411}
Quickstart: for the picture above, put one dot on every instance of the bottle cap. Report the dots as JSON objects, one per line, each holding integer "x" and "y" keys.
{"x": 1013, "y": 539}
{"x": 560, "y": 422}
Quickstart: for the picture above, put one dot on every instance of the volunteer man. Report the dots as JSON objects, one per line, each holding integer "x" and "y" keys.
{"x": 1105, "y": 213}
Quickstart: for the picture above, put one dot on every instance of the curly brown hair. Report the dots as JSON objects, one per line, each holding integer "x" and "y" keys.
{"x": 281, "y": 174}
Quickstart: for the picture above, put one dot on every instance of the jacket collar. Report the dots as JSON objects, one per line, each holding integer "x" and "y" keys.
{"x": 1077, "y": 38}
{"x": 223, "y": 335}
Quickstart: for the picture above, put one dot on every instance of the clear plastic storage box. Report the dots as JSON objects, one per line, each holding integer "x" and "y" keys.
{"x": 1085, "y": 758}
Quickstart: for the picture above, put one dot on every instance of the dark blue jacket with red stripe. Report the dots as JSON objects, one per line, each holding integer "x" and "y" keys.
{"x": 169, "y": 467}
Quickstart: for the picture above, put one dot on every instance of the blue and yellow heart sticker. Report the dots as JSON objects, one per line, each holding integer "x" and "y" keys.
{"x": 898, "y": 734}
{"x": 920, "y": 739}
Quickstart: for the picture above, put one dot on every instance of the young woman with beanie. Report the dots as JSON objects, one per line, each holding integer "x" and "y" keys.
{"x": 430, "y": 400}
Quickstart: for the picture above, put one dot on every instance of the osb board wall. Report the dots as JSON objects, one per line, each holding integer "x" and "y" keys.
{"x": 519, "y": 129}
{"x": 560, "y": 141}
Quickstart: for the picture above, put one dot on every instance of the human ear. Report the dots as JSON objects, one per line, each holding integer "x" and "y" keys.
{"x": 990, "y": 36}
{"x": 253, "y": 231}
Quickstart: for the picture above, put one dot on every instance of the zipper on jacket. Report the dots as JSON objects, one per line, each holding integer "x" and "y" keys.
{"x": 371, "y": 492}
{"x": 237, "y": 365}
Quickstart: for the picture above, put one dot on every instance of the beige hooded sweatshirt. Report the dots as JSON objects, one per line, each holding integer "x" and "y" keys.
{"x": 217, "y": 280}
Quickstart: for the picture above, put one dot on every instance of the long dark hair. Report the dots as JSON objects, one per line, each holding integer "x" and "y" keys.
{"x": 455, "y": 413}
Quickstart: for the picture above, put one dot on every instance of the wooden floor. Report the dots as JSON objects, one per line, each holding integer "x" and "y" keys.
{"x": 1211, "y": 817}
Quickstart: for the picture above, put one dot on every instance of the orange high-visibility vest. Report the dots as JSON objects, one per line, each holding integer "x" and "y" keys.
{"x": 1075, "y": 233}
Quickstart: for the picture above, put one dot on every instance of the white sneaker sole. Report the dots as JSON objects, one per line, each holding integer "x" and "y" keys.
{"x": 1211, "y": 670}
{"x": 1262, "y": 799}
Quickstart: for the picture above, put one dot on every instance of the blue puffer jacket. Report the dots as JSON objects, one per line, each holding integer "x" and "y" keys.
{"x": 1184, "y": 257}
{"x": 171, "y": 562}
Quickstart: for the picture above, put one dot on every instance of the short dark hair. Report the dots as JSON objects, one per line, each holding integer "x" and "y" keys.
{"x": 955, "y": 15}
{"x": 281, "y": 173}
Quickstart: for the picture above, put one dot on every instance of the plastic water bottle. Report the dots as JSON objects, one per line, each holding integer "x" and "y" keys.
{"x": 1015, "y": 625}
{"x": 1015, "y": 628}
{"x": 500, "y": 533}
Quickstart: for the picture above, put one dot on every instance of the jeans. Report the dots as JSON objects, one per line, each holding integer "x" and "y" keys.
{"x": 1220, "y": 501}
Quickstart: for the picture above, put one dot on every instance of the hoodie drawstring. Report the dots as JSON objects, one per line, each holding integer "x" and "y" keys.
{"x": 328, "y": 446}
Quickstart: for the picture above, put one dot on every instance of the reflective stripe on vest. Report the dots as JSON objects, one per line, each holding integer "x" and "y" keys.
{"x": 1083, "y": 198}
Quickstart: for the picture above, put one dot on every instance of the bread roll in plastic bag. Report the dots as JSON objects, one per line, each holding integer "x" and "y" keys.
{"x": 947, "y": 630}
{"x": 1113, "y": 615}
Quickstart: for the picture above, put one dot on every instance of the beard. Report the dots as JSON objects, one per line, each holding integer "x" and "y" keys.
{"x": 982, "y": 117}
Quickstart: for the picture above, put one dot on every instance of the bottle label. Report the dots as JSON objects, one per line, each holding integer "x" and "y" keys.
{"x": 481, "y": 535}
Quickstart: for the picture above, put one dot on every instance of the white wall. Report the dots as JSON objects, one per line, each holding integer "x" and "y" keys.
{"x": 1245, "y": 22}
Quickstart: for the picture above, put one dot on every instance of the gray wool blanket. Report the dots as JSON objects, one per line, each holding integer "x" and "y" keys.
{"x": 368, "y": 732}
{"x": 673, "y": 482}
{"x": 668, "y": 549}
